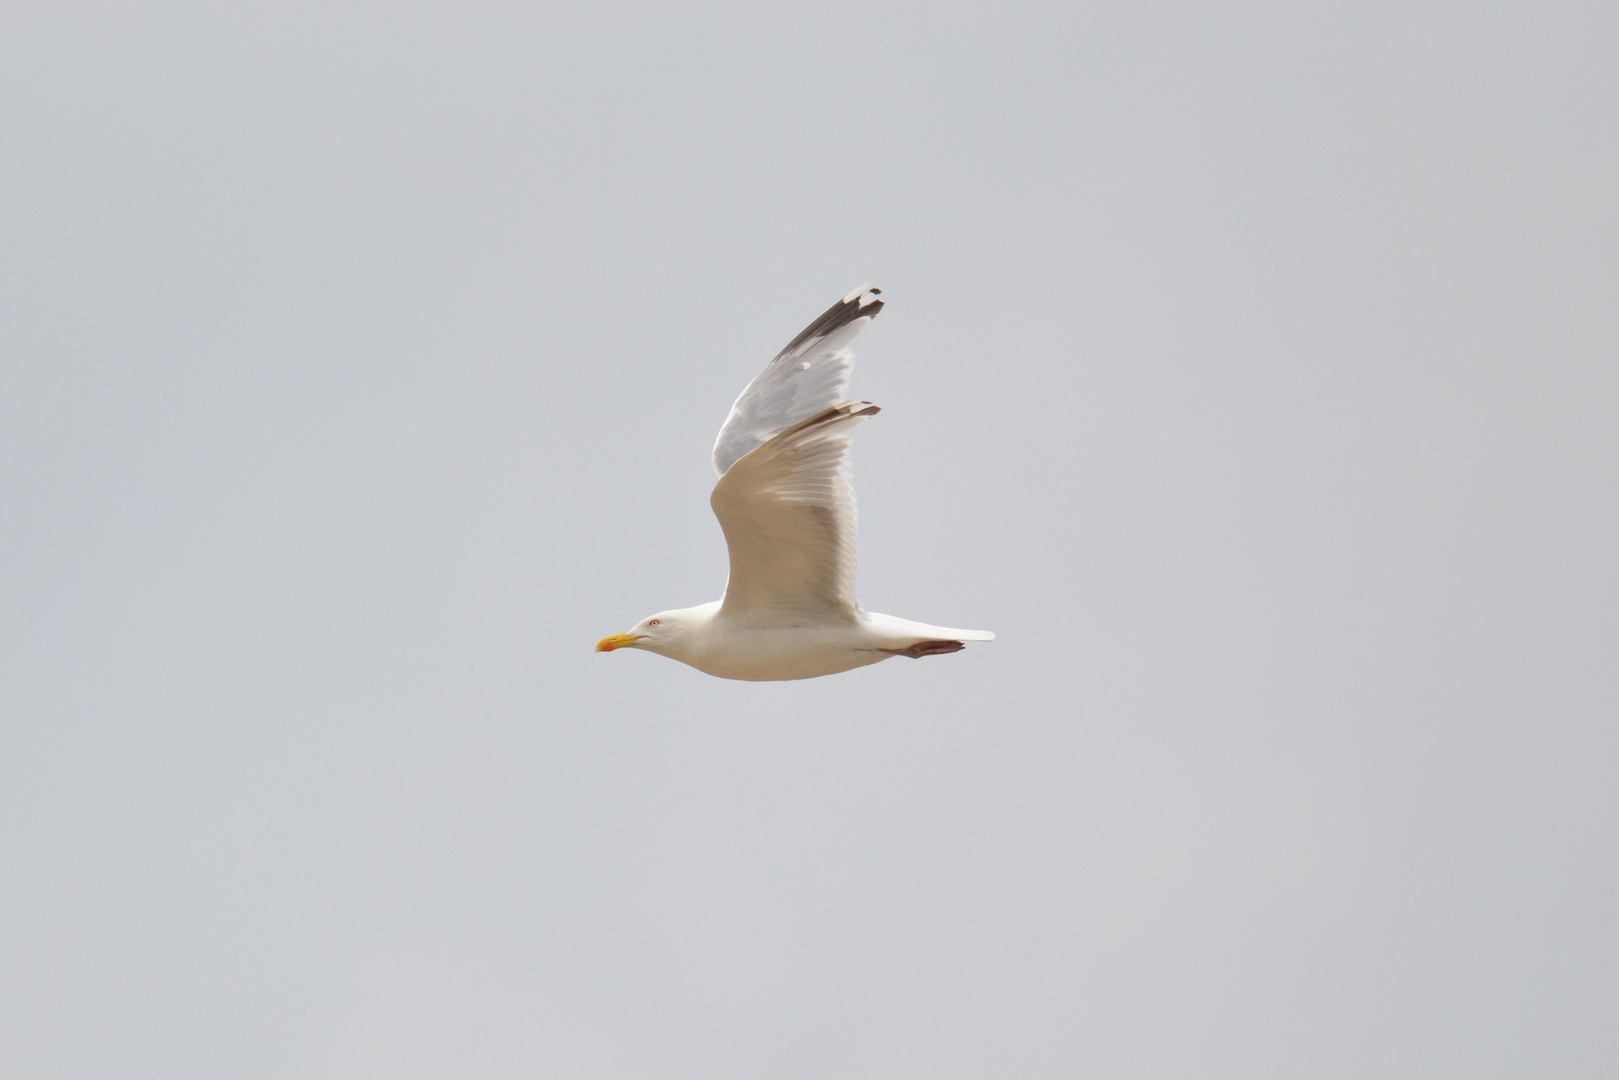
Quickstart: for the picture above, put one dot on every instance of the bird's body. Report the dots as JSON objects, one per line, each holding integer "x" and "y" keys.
{"x": 785, "y": 499}
{"x": 735, "y": 648}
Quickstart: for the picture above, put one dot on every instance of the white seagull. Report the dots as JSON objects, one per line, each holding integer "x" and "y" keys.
{"x": 785, "y": 499}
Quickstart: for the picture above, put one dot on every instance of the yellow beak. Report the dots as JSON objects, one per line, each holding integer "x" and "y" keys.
{"x": 617, "y": 641}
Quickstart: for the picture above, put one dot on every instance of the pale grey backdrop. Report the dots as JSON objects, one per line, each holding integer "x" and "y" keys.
{"x": 1250, "y": 368}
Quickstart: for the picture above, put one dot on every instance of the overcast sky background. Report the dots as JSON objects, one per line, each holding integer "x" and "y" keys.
{"x": 1250, "y": 369}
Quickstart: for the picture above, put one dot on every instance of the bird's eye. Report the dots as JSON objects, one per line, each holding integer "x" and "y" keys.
{"x": 652, "y": 622}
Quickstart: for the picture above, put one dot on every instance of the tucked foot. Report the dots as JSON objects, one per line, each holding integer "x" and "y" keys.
{"x": 926, "y": 648}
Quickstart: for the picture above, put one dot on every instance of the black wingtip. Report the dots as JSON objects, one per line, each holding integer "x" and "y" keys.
{"x": 862, "y": 303}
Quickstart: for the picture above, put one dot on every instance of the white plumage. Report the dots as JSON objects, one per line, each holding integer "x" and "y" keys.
{"x": 785, "y": 500}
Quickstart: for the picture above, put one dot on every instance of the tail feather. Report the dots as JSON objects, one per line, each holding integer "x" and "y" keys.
{"x": 902, "y": 633}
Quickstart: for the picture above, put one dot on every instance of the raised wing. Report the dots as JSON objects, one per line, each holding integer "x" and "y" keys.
{"x": 788, "y": 512}
{"x": 807, "y": 377}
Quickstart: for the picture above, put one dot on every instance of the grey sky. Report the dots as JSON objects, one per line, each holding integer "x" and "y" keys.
{"x": 1249, "y": 369}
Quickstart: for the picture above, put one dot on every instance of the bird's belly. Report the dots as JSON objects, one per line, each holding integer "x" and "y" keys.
{"x": 764, "y": 654}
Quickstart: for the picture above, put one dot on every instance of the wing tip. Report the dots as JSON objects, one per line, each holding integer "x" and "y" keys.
{"x": 849, "y": 410}
{"x": 862, "y": 303}
{"x": 863, "y": 296}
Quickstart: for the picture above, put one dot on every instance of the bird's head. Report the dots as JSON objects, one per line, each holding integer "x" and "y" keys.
{"x": 655, "y": 633}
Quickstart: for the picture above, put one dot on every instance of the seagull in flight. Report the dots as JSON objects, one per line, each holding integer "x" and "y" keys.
{"x": 785, "y": 500}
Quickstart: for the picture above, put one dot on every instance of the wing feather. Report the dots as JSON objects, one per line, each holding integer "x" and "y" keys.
{"x": 807, "y": 377}
{"x": 788, "y": 512}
